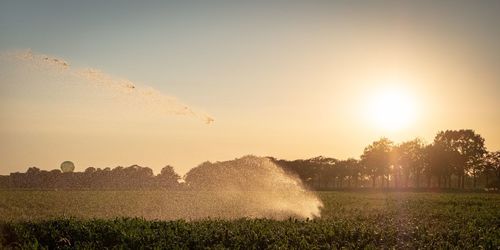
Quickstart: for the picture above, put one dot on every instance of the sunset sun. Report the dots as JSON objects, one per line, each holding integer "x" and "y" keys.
{"x": 392, "y": 108}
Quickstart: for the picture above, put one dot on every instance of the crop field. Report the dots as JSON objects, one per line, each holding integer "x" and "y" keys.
{"x": 150, "y": 219}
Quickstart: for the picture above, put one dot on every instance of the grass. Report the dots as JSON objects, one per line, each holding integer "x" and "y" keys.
{"x": 136, "y": 219}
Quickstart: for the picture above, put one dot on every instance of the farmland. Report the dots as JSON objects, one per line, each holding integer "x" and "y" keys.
{"x": 151, "y": 219}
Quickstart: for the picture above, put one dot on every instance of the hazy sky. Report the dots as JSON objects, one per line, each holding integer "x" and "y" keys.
{"x": 290, "y": 79}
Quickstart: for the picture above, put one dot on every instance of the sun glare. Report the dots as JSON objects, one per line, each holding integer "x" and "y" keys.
{"x": 392, "y": 108}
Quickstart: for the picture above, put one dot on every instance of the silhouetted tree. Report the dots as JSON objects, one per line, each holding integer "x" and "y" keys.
{"x": 468, "y": 148}
{"x": 410, "y": 160}
{"x": 438, "y": 163}
{"x": 306, "y": 171}
{"x": 491, "y": 165}
{"x": 326, "y": 172}
{"x": 354, "y": 171}
{"x": 376, "y": 159}
{"x": 168, "y": 178}
{"x": 197, "y": 177}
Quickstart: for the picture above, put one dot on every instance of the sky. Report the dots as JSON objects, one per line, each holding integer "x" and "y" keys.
{"x": 289, "y": 79}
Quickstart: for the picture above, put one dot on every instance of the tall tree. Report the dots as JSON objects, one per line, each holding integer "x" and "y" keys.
{"x": 410, "y": 159}
{"x": 353, "y": 170}
{"x": 491, "y": 164}
{"x": 168, "y": 178}
{"x": 439, "y": 163}
{"x": 376, "y": 159}
{"x": 468, "y": 148}
{"x": 325, "y": 170}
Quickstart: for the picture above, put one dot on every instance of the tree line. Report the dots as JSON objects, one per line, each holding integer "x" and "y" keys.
{"x": 455, "y": 159}
{"x": 132, "y": 177}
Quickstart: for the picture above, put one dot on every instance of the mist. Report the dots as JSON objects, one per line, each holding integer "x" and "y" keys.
{"x": 252, "y": 187}
{"x": 121, "y": 88}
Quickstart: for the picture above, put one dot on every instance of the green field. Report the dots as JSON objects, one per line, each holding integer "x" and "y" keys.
{"x": 99, "y": 219}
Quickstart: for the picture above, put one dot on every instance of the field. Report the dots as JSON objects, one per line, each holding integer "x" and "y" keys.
{"x": 142, "y": 219}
